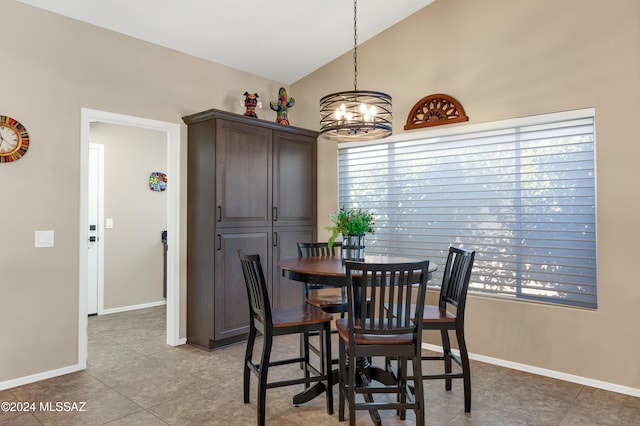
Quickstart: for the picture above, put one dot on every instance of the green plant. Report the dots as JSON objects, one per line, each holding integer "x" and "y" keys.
{"x": 353, "y": 221}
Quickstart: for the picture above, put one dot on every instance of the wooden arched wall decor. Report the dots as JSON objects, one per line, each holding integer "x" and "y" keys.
{"x": 434, "y": 110}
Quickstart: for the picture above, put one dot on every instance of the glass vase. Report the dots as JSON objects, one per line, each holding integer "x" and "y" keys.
{"x": 353, "y": 247}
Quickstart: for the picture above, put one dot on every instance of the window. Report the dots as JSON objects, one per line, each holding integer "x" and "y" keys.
{"x": 520, "y": 192}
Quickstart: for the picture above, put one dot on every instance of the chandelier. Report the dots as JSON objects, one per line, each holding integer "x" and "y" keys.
{"x": 355, "y": 115}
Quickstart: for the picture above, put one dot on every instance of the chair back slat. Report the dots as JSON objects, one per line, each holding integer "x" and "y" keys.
{"x": 259, "y": 305}
{"x": 315, "y": 249}
{"x": 455, "y": 279}
{"x": 380, "y": 297}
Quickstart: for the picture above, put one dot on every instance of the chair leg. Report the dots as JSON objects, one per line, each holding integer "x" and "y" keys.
{"x": 446, "y": 351}
{"x": 326, "y": 367}
{"x": 342, "y": 377}
{"x": 262, "y": 378}
{"x": 305, "y": 355}
{"x": 304, "y": 337}
{"x": 351, "y": 385}
{"x": 418, "y": 392}
{"x": 322, "y": 350}
{"x": 466, "y": 370}
{"x": 248, "y": 359}
{"x": 402, "y": 380}
{"x": 304, "y": 342}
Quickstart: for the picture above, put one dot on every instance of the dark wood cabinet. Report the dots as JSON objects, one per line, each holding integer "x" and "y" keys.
{"x": 244, "y": 167}
{"x": 294, "y": 174}
{"x": 231, "y": 310}
{"x": 251, "y": 187}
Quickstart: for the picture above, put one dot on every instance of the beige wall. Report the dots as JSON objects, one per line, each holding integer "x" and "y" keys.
{"x": 500, "y": 58}
{"x": 133, "y": 252}
{"x": 504, "y": 59}
{"x": 58, "y": 66}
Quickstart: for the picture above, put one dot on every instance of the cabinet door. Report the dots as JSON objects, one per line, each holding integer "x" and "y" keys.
{"x": 231, "y": 316}
{"x": 294, "y": 182}
{"x": 285, "y": 291}
{"x": 243, "y": 174}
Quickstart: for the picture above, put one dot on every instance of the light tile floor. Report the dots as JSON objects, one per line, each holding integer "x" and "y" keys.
{"x": 134, "y": 378}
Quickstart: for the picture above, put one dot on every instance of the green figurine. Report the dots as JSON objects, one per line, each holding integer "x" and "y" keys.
{"x": 281, "y": 107}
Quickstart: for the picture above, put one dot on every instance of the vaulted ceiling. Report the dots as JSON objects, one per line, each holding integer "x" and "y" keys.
{"x": 280, "y": 40}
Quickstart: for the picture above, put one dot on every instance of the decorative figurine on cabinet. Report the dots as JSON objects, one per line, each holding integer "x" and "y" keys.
{"x": 281, "y": 107}
{"x": 250, "y": 103}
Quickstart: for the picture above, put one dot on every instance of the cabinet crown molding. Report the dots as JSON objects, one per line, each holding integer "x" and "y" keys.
{"x": 217, "y": 113}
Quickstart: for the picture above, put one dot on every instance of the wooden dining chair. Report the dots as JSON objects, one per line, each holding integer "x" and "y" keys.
{"x": 323, "y": 296}
{"x": 297, "y": 319}
{"x": 328, "y": 298}
{"x": 379, "y": 324}
{"x": 449, "y": 315}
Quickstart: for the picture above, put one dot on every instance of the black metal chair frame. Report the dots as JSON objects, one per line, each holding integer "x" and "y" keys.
{"x": 453, "y": 294}
{"x": 307, "y": 318}
{"x": 319, "y": 249}
{"x": 380, "y": 324}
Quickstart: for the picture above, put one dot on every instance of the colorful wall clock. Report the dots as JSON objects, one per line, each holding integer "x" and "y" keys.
{"x": 157, "y": 181}
{"x": 14, "y": 139}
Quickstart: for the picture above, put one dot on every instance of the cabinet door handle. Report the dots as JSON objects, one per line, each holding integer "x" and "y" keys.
{"x": 275, "y": 239}
{"x": 219, "y": 242}
{"x": 219, "y": 213}
{"x": 275, "y": 214}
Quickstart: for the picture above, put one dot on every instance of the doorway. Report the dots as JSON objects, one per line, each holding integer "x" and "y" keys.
{"x": 172, "y": 131}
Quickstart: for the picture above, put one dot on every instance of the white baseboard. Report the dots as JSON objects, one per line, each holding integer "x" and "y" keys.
{"x": 544, "y": 372}
{"x": 132, "y": 307}
{"x": 8, "y": 384}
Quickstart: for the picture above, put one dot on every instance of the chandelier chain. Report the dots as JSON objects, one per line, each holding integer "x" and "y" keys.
{"x": 355, "y": 45}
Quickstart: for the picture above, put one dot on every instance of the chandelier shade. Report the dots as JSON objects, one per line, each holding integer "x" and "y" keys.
{"x": 355, "y": 115}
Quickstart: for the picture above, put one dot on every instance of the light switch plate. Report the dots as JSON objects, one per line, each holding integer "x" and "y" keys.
{"x": 109, "y": 224}
{"x": 44, "y": 238}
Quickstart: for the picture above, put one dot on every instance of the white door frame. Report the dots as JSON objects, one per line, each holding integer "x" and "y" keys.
{"x": 173, "y": 219}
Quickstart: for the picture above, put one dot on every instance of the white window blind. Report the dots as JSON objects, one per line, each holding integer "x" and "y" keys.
{"x": 520, "y": 192}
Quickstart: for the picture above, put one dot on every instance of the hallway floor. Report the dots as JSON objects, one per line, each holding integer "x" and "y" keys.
{"x": 134, "y": 378}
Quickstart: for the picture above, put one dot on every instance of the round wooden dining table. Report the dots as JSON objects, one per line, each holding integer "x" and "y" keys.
{"x": 331, "y": 270}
